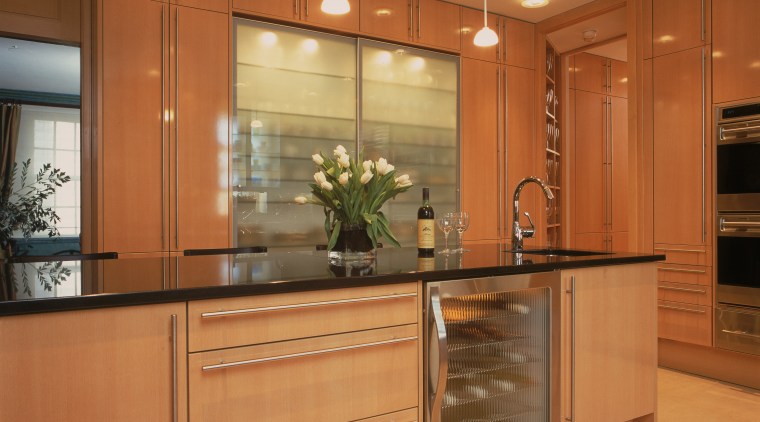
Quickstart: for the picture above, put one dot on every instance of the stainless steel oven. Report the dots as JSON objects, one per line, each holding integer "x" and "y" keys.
{"x": 738, "y": 157}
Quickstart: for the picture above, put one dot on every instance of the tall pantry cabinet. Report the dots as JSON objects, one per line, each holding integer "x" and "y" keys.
{"x": 677, "y": 77}
{"x": 164, "y": 126}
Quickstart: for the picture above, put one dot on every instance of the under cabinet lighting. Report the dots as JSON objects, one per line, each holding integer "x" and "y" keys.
{"x": 336, "y": 7}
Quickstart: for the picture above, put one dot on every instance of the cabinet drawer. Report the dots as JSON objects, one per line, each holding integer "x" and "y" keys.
{"x": 685, "y": 254}
{"x": 685, "y": 293}
{"x": 684, "y": 322}
{"x": 686, "y": 274}
{"x": 232, "y": 322}
{"x": 340, "y": 377}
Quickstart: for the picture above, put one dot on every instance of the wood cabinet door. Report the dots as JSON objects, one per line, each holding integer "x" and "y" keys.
{"x": 437, "y": 24}
{"x": 590, "y": 178}
{"x": 618, "y": 78}
{"x": 51, "y": 19}
{"x": 518, "y": 123}
{"x": 680, "y": 163}
{"x": 590, "y": 73}
{"x": 312, "y": 14}
{"x": 618, "y": 242}
{"x": 134, "y": 134}
{"x": 618, "y": 351}
{"x": 518, "y": 39}
{"x": 214, "y": 5}
{"x": 281, "y": 8}
{"x": 472, "y": 22}
{"x": 113, "y": 364}
{"x": 200, "y": 131}
{"x": 591, "y": 241}
{"x": 479, "y": 148}
{"x": 618, "y": 177}
{"x": 737, "y": 68}
{"x": 391, "y": 19}
{"x": 678, "y": 25}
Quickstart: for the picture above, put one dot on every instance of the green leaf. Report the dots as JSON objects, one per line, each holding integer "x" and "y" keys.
{"x": 334, "y": 236}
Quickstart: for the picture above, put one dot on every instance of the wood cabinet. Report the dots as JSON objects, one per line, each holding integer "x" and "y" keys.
{"x": 518, "y": 36}
{"x": 389, "y": 19}
{"x": 437, "y": 24}
{"x": 279, "y": 9}
{"x": 736, "y": 58}
{"x": 599, "y": 74}
{"x": 515, "y": 45}
{"x": 213, "y": 5}
{"x": 307, "y": 11}
{"x": 54, "y": 20}
{"x": 679, "y": 25}
{"x": 345, "y": 354}
{"x": 480, "y": 147}
{"x": 115, "y": 364}
{"x": 600, "y": 173}
{"x": 472, "y": 22}
{"x": 618, "y": 351}
{"x": 165, "y": 129}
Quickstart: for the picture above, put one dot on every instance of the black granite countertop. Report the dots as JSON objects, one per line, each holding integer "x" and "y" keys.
{"x": 34, "y": 286}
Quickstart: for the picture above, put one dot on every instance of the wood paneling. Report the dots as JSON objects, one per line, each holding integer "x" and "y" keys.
{"x": 590, "y": 73}
{"x": 349, "y": 22}
{"x": 681, "y": 166}
{"x": 590, "y": 186}
{"x": 110, "y": 364}
{"x": 685, "y": 322}
{"x": 619, "y": 192}
{"x": 733, "y": 367}
{"x": 620, "y": 346}
{"x": 133, "y": 132}
{"x": 390, "y": 19}
{"x": 685, "y": 293}
{"x": 281, "y": 9}
{"x": 437, "y": 24}
{"x": 479, "y": 148}
{"x": 618, "y": 242}
{"x": 618, "y": 78}
{"x": 736, "y": 56}
{"x": 591, "y": 241}
{"x": 265, "y": 327}
{"x": 689, "y": 274}
{"x": 472, "y": 22}
{"x": 123, "y": 275}
{"x": 200, "y": 132}
{"x": 213, "y": 5}
{"x": 337, "y": 385}
{"x": 519, "y": 38}
{"x": 54, "y": 20}
{"x": 678, "y": 25}
{"x": 685, "y": 254}
{"x": 202, "y": 271}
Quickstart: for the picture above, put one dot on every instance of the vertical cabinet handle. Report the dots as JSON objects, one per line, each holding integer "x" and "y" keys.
{"x": 176, "y": 131}
{"x": 501, "y": 37}
{"x": 572, "y": 349}
{"x": 307, "y": 8}
{"x": 437, "y": 387}
{"x": 704, "y": 228}
{"x": 411, "y": 19}
{"x": 419, "y": 18}
{"x": 163, "y": 135}
{"x": 605, "y": 146}
{"x": 498, "y": 150}
{"x": 611, "y": 150}
{"x": 702, "y": 34}
{"x": 175, "y": 381}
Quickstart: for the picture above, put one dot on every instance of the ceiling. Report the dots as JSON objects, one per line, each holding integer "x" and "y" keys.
{"x": 39, "y": 67}
{"x": 608, "y": 26}
{"x": 513, "y": 9}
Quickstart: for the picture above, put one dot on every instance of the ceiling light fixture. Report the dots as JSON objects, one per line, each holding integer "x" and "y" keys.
{"x": 589, "y": 35}
{"x": 531, "y": 4}
{"x": 486, "y": 37}
{"x": 336, "y": 7}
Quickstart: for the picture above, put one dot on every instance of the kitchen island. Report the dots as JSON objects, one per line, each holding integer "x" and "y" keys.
{"x": 227, "y": 336}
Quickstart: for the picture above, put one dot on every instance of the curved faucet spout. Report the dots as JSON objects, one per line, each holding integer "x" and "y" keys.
{"x": 519, "y": 232}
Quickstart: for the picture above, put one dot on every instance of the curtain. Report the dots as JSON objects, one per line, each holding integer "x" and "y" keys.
{"x": 10, "y": 116}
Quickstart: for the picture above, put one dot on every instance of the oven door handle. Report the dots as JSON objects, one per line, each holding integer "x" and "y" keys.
{"x": 737, "y": 225}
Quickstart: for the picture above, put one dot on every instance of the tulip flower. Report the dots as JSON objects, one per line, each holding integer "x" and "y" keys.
{"x": 339, "y": 150}
{"x": 382, "y": 166}
{"x": 300, "y": 200}
{"x": 326, "y": 186}
{"x": 318, "y": 160}
{"x": 367, "y": 165}
{"x": 344, "y": 161}
{"x": 343, "y": 178}
{"x": 366, "y": 177}
{"x": 403, "y": 181}
{"x": 320, "y": 177}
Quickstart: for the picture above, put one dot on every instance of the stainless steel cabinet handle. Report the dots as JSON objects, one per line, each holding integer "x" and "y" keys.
{"x": 296, "y": 6}
{"x": 175, "y": 382}
{"x": 679, "y": 250}
{"x": 704, "y": 225}
{"x": 303, "y": 305}
{"x": 741, "y": 333}
{"x": 307, "y": 8}
{"x": 411, "y": 18}
{"x": 419, "y": 18}
{"x": 498, "y": 150}
{"x": 681, "y": 289}
{"x": 176, "y": 133}
{"x": 611, "y": 150}
{"x": 572, "y": 349}
{"x": 163, "y": 135}
{"x": 702, "y": 34}
{"x": 437, "y": 324}
{"x": 681, "y": 270}
{"x": 738, "y": 224}
{"x": 746, "y": 129}
{"x": 501, "y": 37}
{"x": 675, "y": 308}
{"x": 223, "y": 365}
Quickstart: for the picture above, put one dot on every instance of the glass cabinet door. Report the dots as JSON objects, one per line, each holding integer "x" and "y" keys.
{"x": 409, "y": 115}
{"x": 294, "y": 96}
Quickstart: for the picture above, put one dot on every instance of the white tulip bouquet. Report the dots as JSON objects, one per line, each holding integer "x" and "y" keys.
{"x": 352, "y": 195}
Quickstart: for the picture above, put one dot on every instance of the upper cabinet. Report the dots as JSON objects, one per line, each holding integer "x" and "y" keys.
{"x": 390, "y": 19}
{"x": 279, "y": 9}
{"x": 600, "y": 75}
{"x": 680, "y": 24}
{"x": 736, "y": 57}
{"x": 515, "y": 45}
{"x": 302, "y": 10}
{"x": 518, "y": 36}
{"x": 57, "y": 20}
{"x": 437, "y": 24}
{"x": 472, "y": 22}
{"x": 213, "y": 5}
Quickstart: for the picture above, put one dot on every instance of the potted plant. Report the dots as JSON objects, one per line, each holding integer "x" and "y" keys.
{"x": 352, "y": 195}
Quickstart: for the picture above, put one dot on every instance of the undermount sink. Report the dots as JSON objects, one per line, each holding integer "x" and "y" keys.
{"x": 558, "y": 252}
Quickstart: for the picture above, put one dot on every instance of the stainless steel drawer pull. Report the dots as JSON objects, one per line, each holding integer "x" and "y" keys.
{"x": 303, "y": 354}
{"x": 739, "y": 224}
{"x": 679, "y": 250}
{"x": 304, "y": 305}
{"x": 738, "y": 129}
{"x": 681, "y": 270}
{"x": 681, "y": 289}
{"x": 675, "y": 308}
{"x": 741, "y": 333}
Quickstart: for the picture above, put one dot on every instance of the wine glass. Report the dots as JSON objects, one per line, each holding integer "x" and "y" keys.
{"x": 461, "y": 223}
{"x": 446, "y": 225}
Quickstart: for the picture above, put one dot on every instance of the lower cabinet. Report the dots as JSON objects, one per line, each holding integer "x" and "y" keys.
{"x": 332, "y": 355}
{"x": 609, "y": 343}
{"x": 115, "y": 364}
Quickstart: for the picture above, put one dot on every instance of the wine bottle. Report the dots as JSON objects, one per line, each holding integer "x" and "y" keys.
{"x": 425, "y": 226}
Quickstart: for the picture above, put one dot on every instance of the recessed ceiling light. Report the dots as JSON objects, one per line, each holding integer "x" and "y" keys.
{"x": 534, "y": 3}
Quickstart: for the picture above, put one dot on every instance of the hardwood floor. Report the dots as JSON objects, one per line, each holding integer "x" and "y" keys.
{"x": 685, "y": 397}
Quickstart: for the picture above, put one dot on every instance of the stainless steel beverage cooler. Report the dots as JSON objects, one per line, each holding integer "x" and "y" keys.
{"x": 492, "y": 349}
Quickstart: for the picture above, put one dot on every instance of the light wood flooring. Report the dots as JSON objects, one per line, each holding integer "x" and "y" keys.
{"x": 683, "y": 397}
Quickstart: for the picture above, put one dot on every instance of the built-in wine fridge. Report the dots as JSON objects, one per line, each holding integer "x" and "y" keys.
{"x": 492, "y": 349}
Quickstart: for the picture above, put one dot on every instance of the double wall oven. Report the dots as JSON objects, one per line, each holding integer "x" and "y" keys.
{"x": 737, "y": 314}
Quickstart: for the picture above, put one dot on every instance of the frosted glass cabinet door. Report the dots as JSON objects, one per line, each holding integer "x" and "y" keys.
{"x": 295, "y": 95}
{"x": 409, "y": 114}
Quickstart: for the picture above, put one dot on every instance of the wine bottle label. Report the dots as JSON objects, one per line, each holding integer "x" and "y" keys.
{"x": 425, "y": 234}
{"x": 425, "y": 263}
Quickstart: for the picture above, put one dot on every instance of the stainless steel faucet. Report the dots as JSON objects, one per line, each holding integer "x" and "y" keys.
{"x": 519, "y": 232}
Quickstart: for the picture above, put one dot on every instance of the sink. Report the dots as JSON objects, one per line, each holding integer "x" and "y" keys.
{"x": 558, "y": 252}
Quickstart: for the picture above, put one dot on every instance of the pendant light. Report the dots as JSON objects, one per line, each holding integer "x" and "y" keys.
{"x": 336, "y": 7}
{"x": 486, "y": 37}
